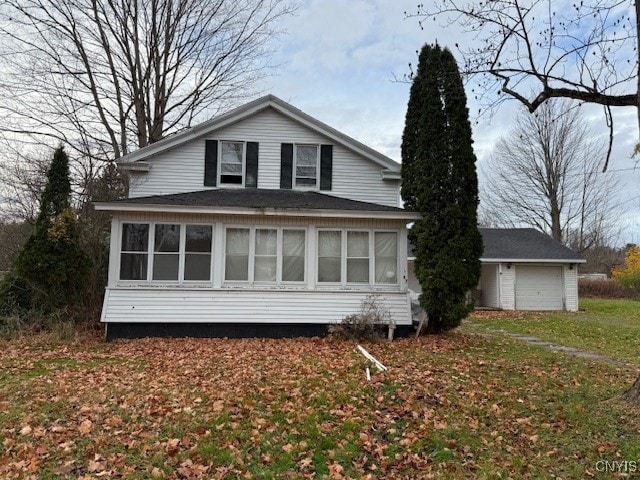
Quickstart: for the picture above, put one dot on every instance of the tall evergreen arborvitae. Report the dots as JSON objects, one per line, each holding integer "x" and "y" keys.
{"x": 439, "y": 180}
{"x": 50, "y": 271}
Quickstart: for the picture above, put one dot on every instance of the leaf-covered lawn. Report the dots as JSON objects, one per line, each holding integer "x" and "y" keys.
{"x": 449, "y": 407}
{"x": 608, "y": 327}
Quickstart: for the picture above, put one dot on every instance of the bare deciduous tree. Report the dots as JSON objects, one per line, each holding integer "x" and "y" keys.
{"x": 541, "y": 49}
{"x": 108, "y": 76}
{"x": 544, "y": 173}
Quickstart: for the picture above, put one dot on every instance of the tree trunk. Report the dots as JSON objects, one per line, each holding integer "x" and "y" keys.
{"x": 632, "y": 395}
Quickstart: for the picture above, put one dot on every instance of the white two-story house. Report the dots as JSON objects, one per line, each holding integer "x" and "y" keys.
{"x": 263, "y": 221}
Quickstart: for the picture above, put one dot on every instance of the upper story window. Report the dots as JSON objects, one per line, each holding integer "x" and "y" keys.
{"x": 306, "y": 165}
{"x": 232, "y": 163}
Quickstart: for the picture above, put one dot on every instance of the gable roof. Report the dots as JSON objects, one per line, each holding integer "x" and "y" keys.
{"x": 249, "y": 109}
{"x": 517, "y": 244}
{"x": 521, "y": 245}
{"x": 258, "y": 201}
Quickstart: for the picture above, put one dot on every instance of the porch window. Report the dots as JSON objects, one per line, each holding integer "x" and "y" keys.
{"x": 386, "y": 257}
{"x": 352, "y": 257}
{"x": 166, "y": 252}
{"x": 237, "y": 254}
{"x": 329, "y": 255}
{"x": 357, "y": 257}
{"x": 266, "y": 255}
{"x": 293, "y": 250}
{"x": 197, "y": 253}
{"x": 134, "y": 251}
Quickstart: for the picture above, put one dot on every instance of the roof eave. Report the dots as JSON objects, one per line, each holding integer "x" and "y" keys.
{"x": 533, "y": 260}
{"x": 275, "y": 212}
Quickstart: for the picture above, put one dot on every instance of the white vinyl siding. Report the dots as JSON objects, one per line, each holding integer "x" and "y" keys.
{"x": 571, "y": 288}
{"x": 489, "y": 286}
{"x": 539, "y": 288}
{"x": 242, "y": 306}
{"x": 182, "y": 169}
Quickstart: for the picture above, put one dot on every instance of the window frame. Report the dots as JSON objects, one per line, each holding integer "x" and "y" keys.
{"x": 251, "y": 281}
{"x": 139, "y": 252}
{"x": 294, "y": 181}
{"x": 153, "y": 253}
{"x": 150, "y": 252}
{"x": 183, "y": 253}
{"x": 373, "y": 257}
{"x": 220, "y": 183}
{"x": 347, "y": 257}
{"x": 343, "y": 259}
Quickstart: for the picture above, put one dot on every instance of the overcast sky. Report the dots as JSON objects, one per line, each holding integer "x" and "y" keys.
{"x": 339, "y": 60}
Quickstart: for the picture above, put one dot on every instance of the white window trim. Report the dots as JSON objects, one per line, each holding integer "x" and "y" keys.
{"x": 244, "y": 165}
{"x": 252, "y": 256}
{"x": 295, "y": 166}
{"x": 373, "y": 257}
{"x": 368, "y": 257}
{"x": 183, "y": 254}
{"x": 343, "y": 259}
{"x": 144, "y": 252}
{"x": 151, "y": 253}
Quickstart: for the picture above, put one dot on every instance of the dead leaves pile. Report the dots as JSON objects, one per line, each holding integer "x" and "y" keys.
{"x": 218, "y": 408}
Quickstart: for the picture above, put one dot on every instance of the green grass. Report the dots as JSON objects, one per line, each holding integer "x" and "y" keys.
{"x": 607, "y": 327}
{"x": 453, "y": 406}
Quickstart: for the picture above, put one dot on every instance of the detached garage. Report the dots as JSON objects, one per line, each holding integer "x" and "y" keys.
{"x": 524, "y": 269}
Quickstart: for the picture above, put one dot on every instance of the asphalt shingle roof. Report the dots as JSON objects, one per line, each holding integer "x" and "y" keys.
{"x": 521, "y": 244}
{"x": 260, "y": 198}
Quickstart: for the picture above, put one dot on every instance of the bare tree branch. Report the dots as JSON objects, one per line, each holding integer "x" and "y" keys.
{"x": 128, "y": 72}
{"x": 545, "y": 173}
{"x": 543, "y": 49}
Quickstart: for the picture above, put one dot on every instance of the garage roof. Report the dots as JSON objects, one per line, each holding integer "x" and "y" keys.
{"x": 521, "y": 245}
{"x": 524, "y": 244}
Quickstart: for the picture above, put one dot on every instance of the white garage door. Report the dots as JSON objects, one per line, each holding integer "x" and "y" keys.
{"x": 539, "y": 288}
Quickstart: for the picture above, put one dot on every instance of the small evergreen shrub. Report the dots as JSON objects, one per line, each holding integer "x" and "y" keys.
{"x": 370, "y": 323}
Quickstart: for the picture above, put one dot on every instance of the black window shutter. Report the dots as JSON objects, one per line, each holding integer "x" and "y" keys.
{"x": 251, "y": 168}
{"x": 286, "y": 165}
{"x": 210, "y": 163}
{"x": 326, "y": 166}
